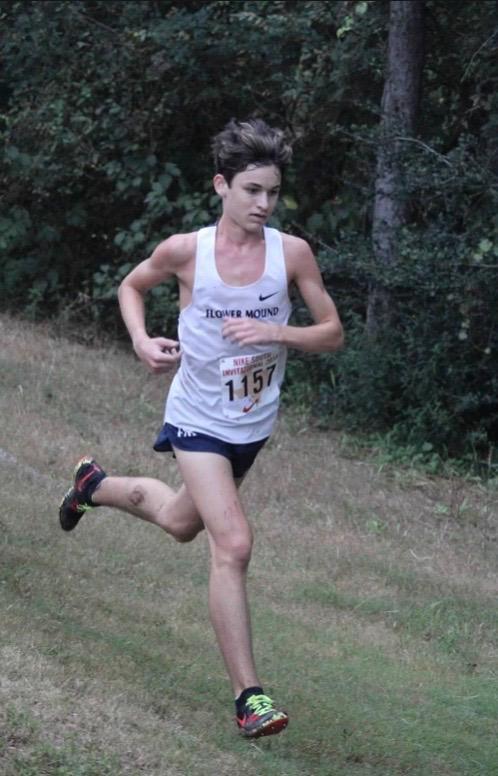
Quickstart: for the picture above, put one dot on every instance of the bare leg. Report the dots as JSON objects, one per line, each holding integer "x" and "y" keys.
{"x": 154, "y": 501}
{"x": 208, "y": 478}
{"x": 208, "y": 497}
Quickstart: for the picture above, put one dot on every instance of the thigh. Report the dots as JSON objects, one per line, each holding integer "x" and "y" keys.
{"x": 214, "y": 492}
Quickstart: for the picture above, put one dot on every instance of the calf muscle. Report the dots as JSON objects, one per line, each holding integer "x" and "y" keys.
{"x": 153, "y": 501}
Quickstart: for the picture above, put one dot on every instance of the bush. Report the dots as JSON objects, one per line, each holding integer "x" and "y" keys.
{"x": 430, "y": 377}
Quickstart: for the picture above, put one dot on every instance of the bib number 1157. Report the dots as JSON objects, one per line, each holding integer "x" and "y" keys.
{"x": 248, "y": 381}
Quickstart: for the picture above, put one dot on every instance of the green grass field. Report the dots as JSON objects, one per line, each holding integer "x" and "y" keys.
{"x": 373, "y": 596}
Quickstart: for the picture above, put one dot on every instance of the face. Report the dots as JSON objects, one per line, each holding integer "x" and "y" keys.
{"x": 251, "y": 197}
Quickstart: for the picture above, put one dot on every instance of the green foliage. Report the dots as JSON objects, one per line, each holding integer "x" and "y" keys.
{"x": 430, "y": 379}
{"x": 106, "y": 114}
{"x": 107, "y": 110}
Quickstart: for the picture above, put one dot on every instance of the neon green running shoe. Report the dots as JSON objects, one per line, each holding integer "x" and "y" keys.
{"x": 78, "y": 500}
{"x": 258, "y": 717}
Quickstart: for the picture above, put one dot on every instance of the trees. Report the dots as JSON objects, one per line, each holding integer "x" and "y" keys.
{"x": 430, "y": 376}
{"x": 400, "y": 101}
{"x": 106, "y": 114}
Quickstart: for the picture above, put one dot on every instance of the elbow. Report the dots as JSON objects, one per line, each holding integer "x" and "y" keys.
{"x": 121, "y": 293}
{"x": 337, "y": 339}
{"x": 121, "y": 289}
{"x": 126, "y": 287}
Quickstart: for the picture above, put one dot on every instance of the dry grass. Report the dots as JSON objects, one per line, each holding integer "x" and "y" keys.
{"x": 374, "y": 598}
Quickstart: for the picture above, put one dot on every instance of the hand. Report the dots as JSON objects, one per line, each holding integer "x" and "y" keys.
{"x": 158, "y": 353}
{"x": 247, "y": 331}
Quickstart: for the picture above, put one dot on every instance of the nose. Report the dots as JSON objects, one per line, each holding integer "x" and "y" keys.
{"x": 263, "y": 201}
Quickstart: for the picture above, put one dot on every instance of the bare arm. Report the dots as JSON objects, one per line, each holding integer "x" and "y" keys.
{"x": 158, "y": 353}
{"x": 324, "y": 335}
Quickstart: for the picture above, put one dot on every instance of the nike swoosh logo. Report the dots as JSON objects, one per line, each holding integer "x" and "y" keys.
{"x": 263, "y": 298}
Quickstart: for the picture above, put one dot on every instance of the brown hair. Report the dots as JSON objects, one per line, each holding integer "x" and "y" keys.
{"x": 252, "y": 142}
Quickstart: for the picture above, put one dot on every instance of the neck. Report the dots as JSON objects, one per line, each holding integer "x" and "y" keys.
{"x": 229, "y": 231}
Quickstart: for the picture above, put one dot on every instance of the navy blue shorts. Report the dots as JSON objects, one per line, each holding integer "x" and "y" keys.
{"x": 241, "y": 456}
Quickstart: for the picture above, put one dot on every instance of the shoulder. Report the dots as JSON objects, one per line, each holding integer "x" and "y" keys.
{"x": 298, "y": 254}
{"x": 295, "y": 246}
{"x": 176, "y": 250}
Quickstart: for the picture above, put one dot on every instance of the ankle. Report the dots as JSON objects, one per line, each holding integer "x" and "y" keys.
{"x": 245, "y": 694}
{"x": 96, "y": 497}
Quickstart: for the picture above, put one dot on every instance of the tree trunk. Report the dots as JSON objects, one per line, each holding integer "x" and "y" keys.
{"x": 400, "y": 101}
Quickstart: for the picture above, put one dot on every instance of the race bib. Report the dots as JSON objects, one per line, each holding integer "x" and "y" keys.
{"x": 248, "y": 382}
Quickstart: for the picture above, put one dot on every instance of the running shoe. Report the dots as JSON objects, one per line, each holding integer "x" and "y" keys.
{"x": 259, "y": 718}
{"x": 78, "y": 500}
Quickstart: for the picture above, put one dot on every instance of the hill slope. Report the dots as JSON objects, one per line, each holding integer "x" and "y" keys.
{"x": 373, "y": 594}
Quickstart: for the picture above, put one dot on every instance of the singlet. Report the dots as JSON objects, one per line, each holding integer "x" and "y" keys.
{"x": 222, "y": 389}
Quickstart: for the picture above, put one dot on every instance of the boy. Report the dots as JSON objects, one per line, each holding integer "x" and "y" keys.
{"x": 222, "y": 404}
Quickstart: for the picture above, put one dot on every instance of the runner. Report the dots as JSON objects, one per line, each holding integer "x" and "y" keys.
{"x": 233, "y": 336}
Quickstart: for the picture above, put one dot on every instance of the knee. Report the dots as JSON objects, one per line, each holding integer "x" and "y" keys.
{"x": 234, "y": 551}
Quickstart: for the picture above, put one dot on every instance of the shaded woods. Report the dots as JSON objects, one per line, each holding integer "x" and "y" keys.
{"x": 106, "y": 115}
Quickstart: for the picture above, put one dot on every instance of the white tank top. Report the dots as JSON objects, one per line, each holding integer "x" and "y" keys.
{"x": 222, "y": 389}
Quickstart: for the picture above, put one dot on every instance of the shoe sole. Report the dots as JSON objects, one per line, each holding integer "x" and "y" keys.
{"x": 272, "y": 728}
{"x": 65, "y": 525}
{"x": 74, "y": 520}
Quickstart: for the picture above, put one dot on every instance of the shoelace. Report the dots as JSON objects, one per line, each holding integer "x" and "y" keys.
{"x": 260, "y": 704}
{"x": 83, "y": 508}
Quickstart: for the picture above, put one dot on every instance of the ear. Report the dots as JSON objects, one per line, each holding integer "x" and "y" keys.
{"x": 220, "y": 185}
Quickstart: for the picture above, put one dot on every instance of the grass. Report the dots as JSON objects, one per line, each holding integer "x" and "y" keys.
{"x": 373, "y": 594}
